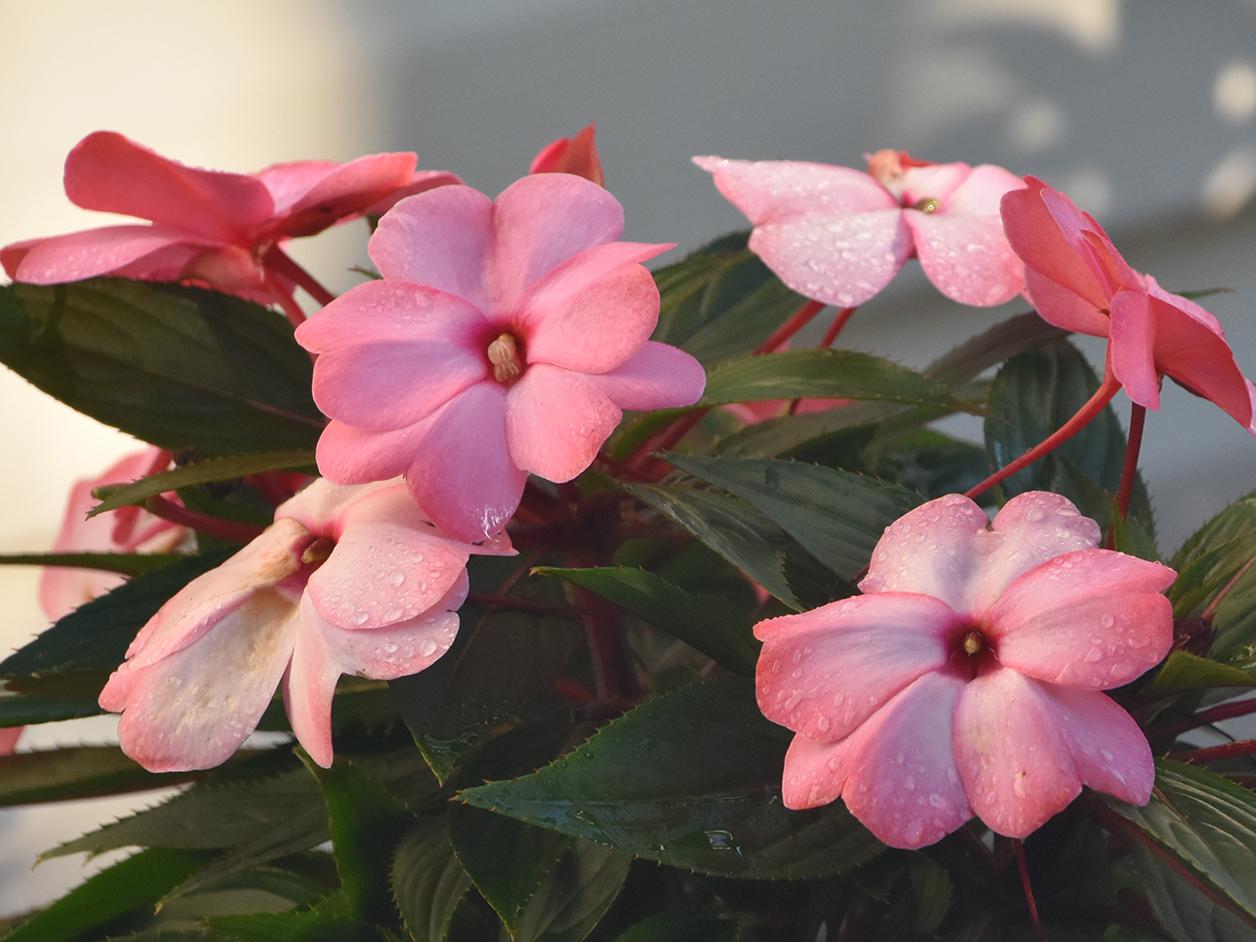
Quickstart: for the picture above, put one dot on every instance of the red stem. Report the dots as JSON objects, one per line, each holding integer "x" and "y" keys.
{"x": 662, "y": 440}
{"x": 1129, "y": 471}
{"x": 1230, "y": 750}
{"x": 839, "y": 321}
{"x": 1226, "y": 711}
{"x": 1095, "y": 405}
{"x": 1018, "y": 851}
{"x": 797, "y": 322}
{"x": 283, "y": 297}
{"x": 202, "y": 523}
{"x": 284, "y": 264}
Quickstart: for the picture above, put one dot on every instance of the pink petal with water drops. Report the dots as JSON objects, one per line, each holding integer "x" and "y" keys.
{"x": 391, "y": 312}
{"x": 814, "y": 772}
{"x": 1109, "y": 749}
{"x": 967, "y": 258}
{"x": 657, "y": 376}
{"x": 1017, "y": 770}
{"x": 824, "y": 672}
{"x": 87, "y": 254}
{"x": 309, "y": 687}
{"x": 773, "y": 190}
{"x": 1094, "y": 619}
{"x": 556, "y": 421}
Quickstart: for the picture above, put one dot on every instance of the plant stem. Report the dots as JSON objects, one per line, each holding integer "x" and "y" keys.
{"x": 1092, "y": 407}
{"x": 1129, "y": 471}
{"x": 1226, "y": 711}
{"x": 839, "y": 321}
{"x": 202, "y": 523}
{"x": 1230, "y": 750}
{"x": 284, "y": 264}
{"x": 1208, "y": 613}
{"x": 1018, "y": 851}
{"x": 283, "y": 297}
{"x": 801, "y": 318}
{"x": 662, "y": 440}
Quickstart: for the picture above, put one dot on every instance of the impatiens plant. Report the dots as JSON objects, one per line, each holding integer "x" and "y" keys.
{"x": 522, "y": 592}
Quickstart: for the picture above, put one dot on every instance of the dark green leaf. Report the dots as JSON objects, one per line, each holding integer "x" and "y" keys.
{"x": 681, "y": 927}
{"x": 128, "y": 564}
{"x": 200, "y": 472}
{"x": 930, "y": 886}
{"x": 575, "y": 895}
{"x": 825, "y": 374}
{"x": 74, "y": 772}
{"x": 29, "y": 701}
{"x": 329, "y": 921}
{"x": 96, "y": 635}
{"x": 427, "y": 881}
{"x": 710, "y": 624}
{"x": 178, "y": 367}
{"x": 721, "y": 301}
{"x": 689, "y": 779}
{"x": 1207, "y": 825}
{"x": 1186, "y": 914}
{"x": 837, "y": 516}
{"x": 929, "y": 462}
{"x": 1185, "y": 671}
{"x": 1004, "y": 340}
{"x": 132, "y": 886}
{"x": 729, "y": 526}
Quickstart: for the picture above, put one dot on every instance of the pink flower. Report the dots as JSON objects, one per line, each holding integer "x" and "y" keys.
{"x": 347, "y": 580}
{"x": 506, "y": 337}
{"x": 8, "y": 739}
{"x": 839, "y": 235}
{"x": 577, "y": 154}
{"x": 966, "y": 679}
{"x": 1078, "y": 281}
{"x": 129, "y": 530}
{"x": 206, "y": 226}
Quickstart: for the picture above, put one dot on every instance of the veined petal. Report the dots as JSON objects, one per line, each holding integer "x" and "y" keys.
{"x": 556, "y": 421}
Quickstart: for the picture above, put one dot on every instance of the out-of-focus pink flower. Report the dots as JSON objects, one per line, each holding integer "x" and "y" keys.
{"x": 839, "y": 235}
{"x": 506, "y": 337}
{"x": 347, "y": 580}
{"x": 966, "y": 679}
{"x": 205, "y": 226}
{"x": 576, "y": 154}
{"x": 1078, "y": 281}
{"x": 128, "y": 530}
{"x": 8, "y": 739}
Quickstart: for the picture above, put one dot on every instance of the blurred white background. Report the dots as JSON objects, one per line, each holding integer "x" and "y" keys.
{"x": 1145, "y": 112}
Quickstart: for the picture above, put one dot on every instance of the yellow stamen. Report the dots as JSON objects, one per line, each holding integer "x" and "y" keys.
{"x": 503, "y": 353}
{"x": 318, "y": 551}
{"x": 974, "y": 643}
{"x": 927, "y": 205}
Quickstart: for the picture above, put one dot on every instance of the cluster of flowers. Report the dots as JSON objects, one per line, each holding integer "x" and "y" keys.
{"x": 505, "y": 338}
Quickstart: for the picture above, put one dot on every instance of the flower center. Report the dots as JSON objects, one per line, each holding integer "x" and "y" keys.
{"x": 317, "y": 552}
{"x": 506, "y": 358}
{"x": 928, "y": 205}
{"x": 973, "y": 643}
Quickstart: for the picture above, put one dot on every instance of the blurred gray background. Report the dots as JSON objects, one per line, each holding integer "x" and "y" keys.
{"x": 1145, "y": 112}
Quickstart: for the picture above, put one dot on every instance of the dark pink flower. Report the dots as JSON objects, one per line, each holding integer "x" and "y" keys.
{"x": 966, "y": 680}
{"x": 839, "y": 235}
{"x": 347, "y": 580}
{"x": 1079, "y": 281}
{"x": 206, "y": 226}
{"x": 576, "y": 154}
{"x": 505, "y": 338}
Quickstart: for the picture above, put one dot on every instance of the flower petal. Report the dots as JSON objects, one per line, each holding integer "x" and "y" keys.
{"x": 309, "y": 686}
{"x": 462, "y": 474}
{"x": 420, "y": 182}
{"x": 966, "y": 257}
{"x": 1132, "y": 345}
{"x": 389, "y": 385}
{"x": 1063, "y": 308}
{"x": 822, "y": 673}
{"x": 1017, "y": 770}
{"x": 981, "y": 192}
{"x": 86, "y": 254}
{"x": 439, "y": 238}
{"x": 658, "y": 376}
{"x": 576, "y": 154}
{"x": 556, "y": 421}
{"x": 540, "y": 222}
{"x": 593, "y": 312}
{"x": 345, "y": 191}
{"x": 1108, "y": 748}
{"x": 1093, "y": 618}
{"x": 349, "y": 455}
{"x": 193, "y": 708}
{"x": 772, "y": 190}
{"x": 111, "y": 173}
{"x": 903, "y": 783}
{"x": 390, "y": 312}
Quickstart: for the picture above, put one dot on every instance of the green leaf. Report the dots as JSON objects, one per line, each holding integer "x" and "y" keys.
{"x": 575, "y": 895}
{"x": 1186, "y": 914}
{"x": 327, "y": 922}
{"x": 365, "y": 821}
{"x": 29, "y": 701}
{"x": 200, "y": 472}
{"x": 689, "y": 779}
{"x": 1182, "y": 671}
{"x": 930, "y": 886}
{"x": 96, "y": 635}
{"x": 681, "y": 927}
{"x": 132, "y": 886}
{"x": 178, "y": 367}
{"x": 1033, "y": 395}
{"x": 1205, "y": 826}
{"x": 929, "y": 462}
{"x": 721, "y": 301}
{"x": 846, "y": 374}
{"x": 427, "y": 880}
{"x": 707, "y": 623}
{"x": 729, "y": 526}
{"x": 74, "y": 772}
{"x": 1018, "y": 334}
{"x": 837, "y": 516}
{"x": 128, "y": 564}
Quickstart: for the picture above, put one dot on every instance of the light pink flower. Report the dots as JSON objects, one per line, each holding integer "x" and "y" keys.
{"x": 576, "y": 154}
{"x": 839, "y": 235}
{"x": 506, "y": 337}
{"x": 966, "y": 679}
{"x": 206, "y": 226}
{"x": 8, "y": 739}
{"x": 347, "y": 580}
{"x": 128, "y": 530}
{"x": 1078, "y": 281}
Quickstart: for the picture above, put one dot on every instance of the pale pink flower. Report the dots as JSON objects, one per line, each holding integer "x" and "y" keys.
{"x": 506, "y": 337}
{"x": 205, "y": 226}
{"x": 577, "y": 154}
{"x": 839, "y": 235}
{"x": 347, "y": 580}
{"x": 8, "y": 739}
{"x": 966, "y": 679}
{"x": 128, "y": 530}
{"x": 1078, "y": 281}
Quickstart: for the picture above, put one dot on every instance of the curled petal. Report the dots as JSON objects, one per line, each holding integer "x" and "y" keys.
{"x": 1133, "y": 345}
{"x": 576, "y": 154}
{"x": 657, "y": 376}
{"x": 345, "y": 191}
{"x": 90, "y": 253}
